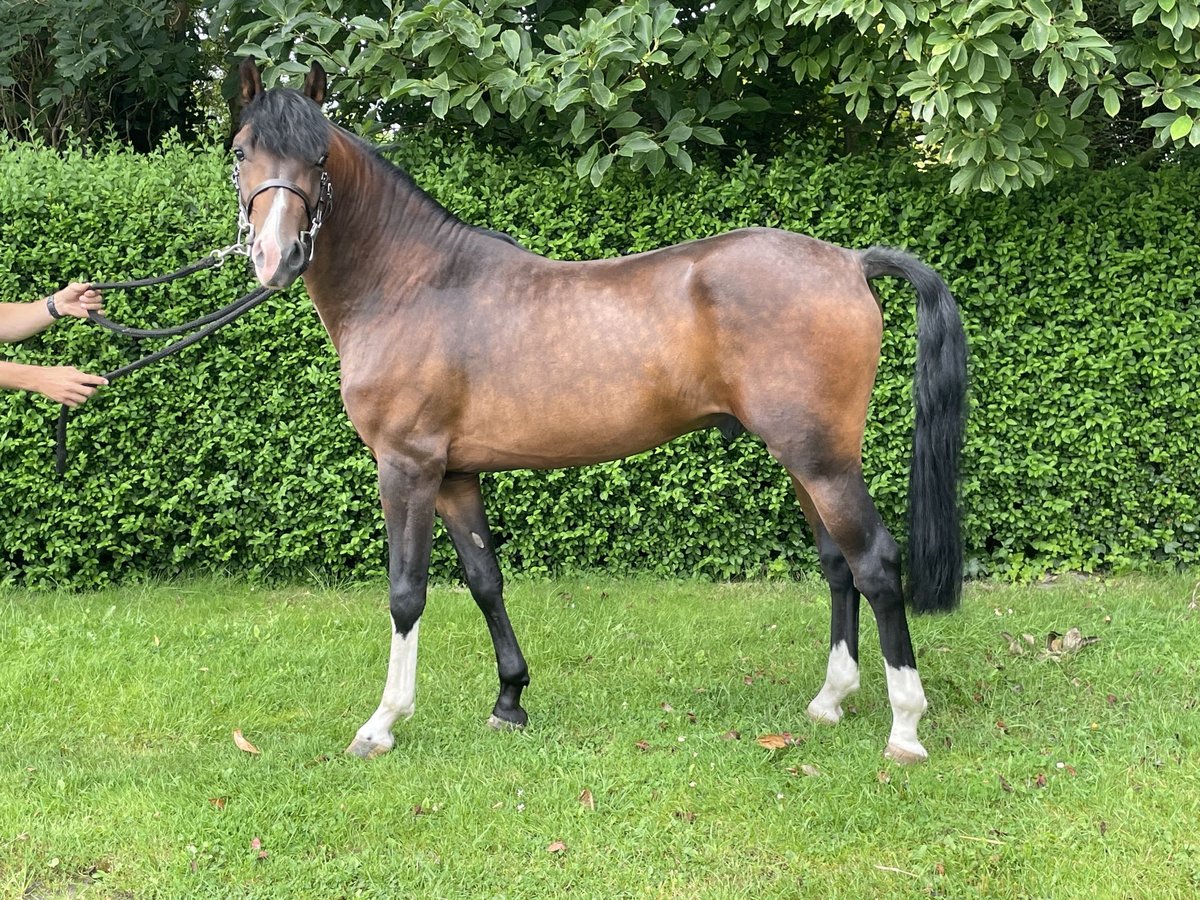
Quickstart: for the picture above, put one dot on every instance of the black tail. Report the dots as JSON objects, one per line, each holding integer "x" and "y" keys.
{"x": 940, "y": 394}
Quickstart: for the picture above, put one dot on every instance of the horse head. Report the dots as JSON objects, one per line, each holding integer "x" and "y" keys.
{"x": 284, "y": 193}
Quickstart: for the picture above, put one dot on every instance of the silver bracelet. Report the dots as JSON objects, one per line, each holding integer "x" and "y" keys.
{"x": 51, "y": 308}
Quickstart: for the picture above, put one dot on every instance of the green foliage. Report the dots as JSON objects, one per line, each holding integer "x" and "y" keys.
{"x": 1008, "y": 93}
{"x": 1078, "y": 298}
{"x": 84, "y": 67}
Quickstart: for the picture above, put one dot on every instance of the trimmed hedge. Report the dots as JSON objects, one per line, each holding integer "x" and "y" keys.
{"x": 1079, "y": 302}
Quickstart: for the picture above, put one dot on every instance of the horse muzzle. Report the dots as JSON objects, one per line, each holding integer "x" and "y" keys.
{"x": 279, "y": 263}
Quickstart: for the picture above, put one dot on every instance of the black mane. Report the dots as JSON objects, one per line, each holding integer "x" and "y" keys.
{"x": 399, "y": 174}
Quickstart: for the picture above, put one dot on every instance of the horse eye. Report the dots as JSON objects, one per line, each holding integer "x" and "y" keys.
{"x": 322, "y": 160}
{"x": 239, "y": 154}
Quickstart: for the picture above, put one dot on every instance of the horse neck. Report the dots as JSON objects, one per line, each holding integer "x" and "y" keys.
{"x": 383, "y": 235}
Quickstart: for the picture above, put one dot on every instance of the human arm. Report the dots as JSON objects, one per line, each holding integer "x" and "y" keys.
{"x": 21, "y": 320}
{"x": 62, "y": 384}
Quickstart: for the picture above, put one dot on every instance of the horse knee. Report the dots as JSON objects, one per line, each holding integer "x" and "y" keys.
{"x": 406, "y": 605}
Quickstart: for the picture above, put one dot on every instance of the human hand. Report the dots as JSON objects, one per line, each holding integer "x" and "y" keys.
{"x": 66, "y": 384}
{"x": 77, "y": 299}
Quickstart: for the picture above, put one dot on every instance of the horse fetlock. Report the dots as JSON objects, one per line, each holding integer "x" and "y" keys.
{"x": 908, "y": 705}
{"x": 841, "y": 680}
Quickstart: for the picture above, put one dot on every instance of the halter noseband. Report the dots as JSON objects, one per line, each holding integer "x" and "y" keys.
{"x": 315, "y": 212}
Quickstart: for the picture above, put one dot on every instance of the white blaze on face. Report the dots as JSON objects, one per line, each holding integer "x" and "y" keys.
{"x": 267, "y": 250}
{"x": 399, "y": 691}
{"x": 841, "y": 680}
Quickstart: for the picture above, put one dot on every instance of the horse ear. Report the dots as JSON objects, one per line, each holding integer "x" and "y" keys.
{"x": 251, "y": 81}
{"x": 315, "y": 83}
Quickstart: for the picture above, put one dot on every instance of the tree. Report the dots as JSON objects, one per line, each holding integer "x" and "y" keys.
{"x": 1006, "y": 92}
{"x": 87, "y": 67}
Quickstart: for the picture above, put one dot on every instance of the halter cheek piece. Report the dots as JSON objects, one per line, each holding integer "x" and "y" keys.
{"x": 316, "y": 212}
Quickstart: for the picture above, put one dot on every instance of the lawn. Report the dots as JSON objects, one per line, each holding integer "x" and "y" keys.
{"x": 1051, "y": 773}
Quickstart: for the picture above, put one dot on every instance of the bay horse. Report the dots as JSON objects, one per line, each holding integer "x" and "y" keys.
{"x": 462, "y": 353}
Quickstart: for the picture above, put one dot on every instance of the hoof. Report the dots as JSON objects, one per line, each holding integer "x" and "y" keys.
{"x": 824, "y": 715}
{"x": 498, "y": 724}
{"x": 905, "y": 756}
{"x": 366, "y": 749}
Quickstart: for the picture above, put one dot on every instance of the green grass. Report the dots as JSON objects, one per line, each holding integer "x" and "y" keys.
{"x": 1048, "y": 778}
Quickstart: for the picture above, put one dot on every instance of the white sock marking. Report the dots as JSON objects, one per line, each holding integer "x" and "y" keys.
{"x": 399, "y": 691}
{"x": 841, "y": 680}
{"x": 908, "y": 703}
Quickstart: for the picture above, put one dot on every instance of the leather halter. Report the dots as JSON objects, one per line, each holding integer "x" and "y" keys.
{"x": 316, "y": 212}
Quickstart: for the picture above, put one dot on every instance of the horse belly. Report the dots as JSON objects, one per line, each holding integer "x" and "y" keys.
{"x": 579, "y": 429}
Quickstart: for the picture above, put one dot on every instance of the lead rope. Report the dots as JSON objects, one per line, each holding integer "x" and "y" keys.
{"x": 208, "y": 324}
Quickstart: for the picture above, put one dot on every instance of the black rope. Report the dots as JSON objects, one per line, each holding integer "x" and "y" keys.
{"x": 139, "y": 333}
{"x": 212, "y": 323}
{"x": 213, "y": 259}
{"x": 199, "y": 265}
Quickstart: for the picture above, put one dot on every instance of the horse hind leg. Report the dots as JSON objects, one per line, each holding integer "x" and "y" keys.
{"x": 840, "y": 500}
{"x": 841, "y": 673}
{"x": 849, "y": 515}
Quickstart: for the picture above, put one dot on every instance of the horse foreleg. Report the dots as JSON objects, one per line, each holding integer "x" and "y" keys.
{"x": 407, "y": 490}
{"x": 460, "y": 504}
{"x": 841, "y": 673}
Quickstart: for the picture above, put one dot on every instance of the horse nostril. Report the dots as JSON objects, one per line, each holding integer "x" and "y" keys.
{"x": 295, "y": 256}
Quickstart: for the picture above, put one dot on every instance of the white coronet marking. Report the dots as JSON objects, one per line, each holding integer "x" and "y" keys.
{"x": 399, "y": 691}
{"x": 908, "y": 704}
{"x": 841, "y": 680}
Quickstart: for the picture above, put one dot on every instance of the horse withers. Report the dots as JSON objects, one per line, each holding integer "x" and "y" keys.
{"x": 463, "y": 353}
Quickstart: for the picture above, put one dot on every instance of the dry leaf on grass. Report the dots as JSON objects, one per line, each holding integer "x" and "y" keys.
{"x": 1074, "y": 641}
{"x": 586, "y": 800}
{"x": 777, "y": 741}
{"x": 557, "y": 847}
{"x": 244, "y": 745}
{"x": 1057, "y": 646}
{"x": 1015, "y": 646}
{"x": 806, "y": 769}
